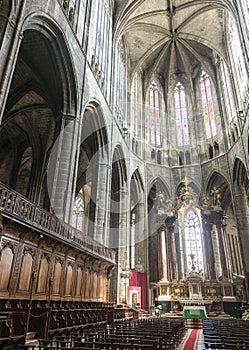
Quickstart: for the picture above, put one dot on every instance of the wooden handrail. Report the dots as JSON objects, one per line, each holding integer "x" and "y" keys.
{"x": 12, "y": 202}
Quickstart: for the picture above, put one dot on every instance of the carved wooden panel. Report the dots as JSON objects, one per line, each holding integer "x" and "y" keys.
{"x": 25, "y": 275}
{"x": 6, "y": 268}
{"x": 78, "y": 282}
{"x": 95, "y": 285}
{"x": 103, "y": 286}
{"x": 84, "y": 283}
{"x": 69, "y": 279}
{"x": 57, "y": 278}
{"x": 87, "y": 281}
{"x": 43, "y": 276}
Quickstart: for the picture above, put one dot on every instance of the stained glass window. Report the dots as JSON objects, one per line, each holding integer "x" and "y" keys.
{"x": 155, "y": 123}
{"x": 245, "y": 7}
{"x": 120, "y": 81}
{"x": 193, "y": 241}
{"x": 237, "y": 54}
{"x": 78, "y": 212}
{"x": 207, "y": 106}
{"x": 102, "y": 40}
{"x": 228, "y": 97}
{"x": 134, "y": 106}
{"x": 181, "y": 116}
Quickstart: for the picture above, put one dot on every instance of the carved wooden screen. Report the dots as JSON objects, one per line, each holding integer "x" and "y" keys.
{"x": 79, "y": 282}
{"x": 57, "y": 278}
{"x": 5, "y": 268}
{"x": 69, "y": 280}
{"x": 25, "y": 275}
{"x": 43, "y": 275}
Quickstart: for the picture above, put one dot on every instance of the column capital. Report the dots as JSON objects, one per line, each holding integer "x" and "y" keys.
{"x": 102, "y": 164}
{"x": 69, "y": 116}
{"x": 170, "y": 221}
{"x": 212, "y": 216}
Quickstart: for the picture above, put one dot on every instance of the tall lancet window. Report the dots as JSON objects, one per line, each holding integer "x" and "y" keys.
{"x": 155, "y": 123}
{"x": 134, "y": 106}
{"x": 78, "y": 212}
{"x": 193, "y": 242}
{"x": 207, "y": 106}
{"x": 102, "y": 40}
{"x": 238, "y": 57}
{"x": 227, "y": 91}
{"x": 181, "y": 116}
{"x": 120, "y": 78}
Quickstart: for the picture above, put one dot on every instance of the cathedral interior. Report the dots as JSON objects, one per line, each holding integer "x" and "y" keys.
{"x": 124, "y": 162}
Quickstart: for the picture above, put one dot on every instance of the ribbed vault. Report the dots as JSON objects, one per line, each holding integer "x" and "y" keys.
{"x": 166, "y": 37}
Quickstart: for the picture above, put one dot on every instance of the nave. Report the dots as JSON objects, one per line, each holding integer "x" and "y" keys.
{"x": 150, "y": 333}
{"x": 124, "y": 173}
{"x": 141, "y": 334}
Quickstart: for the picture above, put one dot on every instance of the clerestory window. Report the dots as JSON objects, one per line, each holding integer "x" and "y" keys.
{"x": 207, "y": 106}
{"x": 182, "y": 129}
{"x": 155, "y": 122}
{"x": 227, "y": 91}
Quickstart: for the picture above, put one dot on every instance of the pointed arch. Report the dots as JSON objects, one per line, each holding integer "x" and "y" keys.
{"x": 93, "y": 150}
{"x": 41, "y": 99}
{"x": 118, "y": 191}
{"x": 218, "y": 180}
{"x": 240, "y": 174}
{"x": 136, "y": 189}
{"x": 62, "y": 59}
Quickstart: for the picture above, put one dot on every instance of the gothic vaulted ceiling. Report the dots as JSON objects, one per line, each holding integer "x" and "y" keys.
{"x": 172, "y": 36}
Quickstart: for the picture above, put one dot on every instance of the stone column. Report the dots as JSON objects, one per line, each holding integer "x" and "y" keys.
{"x": 164, "y": 256}
{"x": 61, "y": 172}
{"x": 171, "y": 247}
{"x": 242, "y": 216}
{"x": 226, "y": 248}
{"x": 101, "y": 202}
{"x": 208, "y": 220}
{"x": 124, "y": 227}
{"x": 123, "y": 245}
{"x": 222, "y": 253}
{"x": 9, "y": 51}
{"x": 140, "y": 244}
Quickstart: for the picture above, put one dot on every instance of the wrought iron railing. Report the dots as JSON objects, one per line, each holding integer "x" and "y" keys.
{"x": 18, "y": 206}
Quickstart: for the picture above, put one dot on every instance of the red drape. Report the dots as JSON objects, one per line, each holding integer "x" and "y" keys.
{"x": 139, "y": 279}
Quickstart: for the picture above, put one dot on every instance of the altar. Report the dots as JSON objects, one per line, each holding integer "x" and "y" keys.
{"x": 194, "y": 312}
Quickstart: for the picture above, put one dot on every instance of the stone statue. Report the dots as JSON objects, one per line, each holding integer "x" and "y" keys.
{"x": 206, "y": 201}
{"x": 160, "y": 201}
{"x": 169, "y": 207}
{"x": 215, "y": 193}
